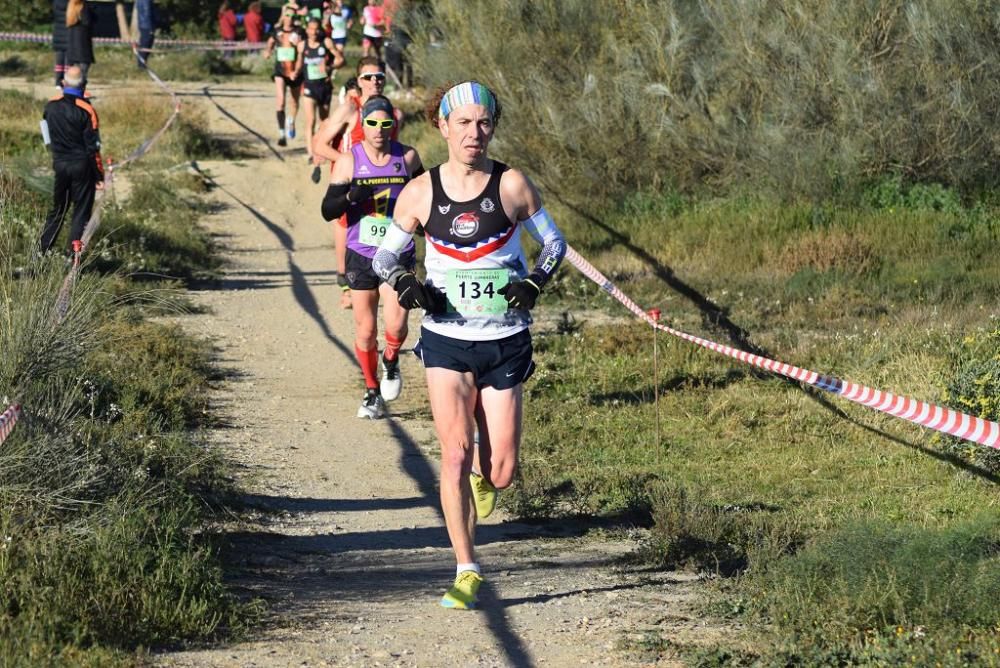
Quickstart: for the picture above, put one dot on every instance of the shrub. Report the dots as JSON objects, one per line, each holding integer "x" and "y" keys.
{"x": 805, "y": 97}
{"x": 974, "y": 388}
{"x": 853, "y": 584}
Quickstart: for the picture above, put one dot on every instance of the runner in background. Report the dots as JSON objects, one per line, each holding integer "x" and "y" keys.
{"x": 477, "y": 297}
{"x": 284, "y": 42}
{"x": 345, "y": 123}
{"x": 340, "y": 22}
{"x": 318, "y": 60}
{"x": 364, "y": 186}
{"x": 313, "y": 9}
{"x": 373, "y": 20}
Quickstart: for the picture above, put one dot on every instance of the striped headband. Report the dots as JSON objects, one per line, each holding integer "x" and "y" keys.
{"x": 468, "y": 92}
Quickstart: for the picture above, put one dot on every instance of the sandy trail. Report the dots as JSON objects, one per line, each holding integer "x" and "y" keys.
{"x": 348, "y": 548}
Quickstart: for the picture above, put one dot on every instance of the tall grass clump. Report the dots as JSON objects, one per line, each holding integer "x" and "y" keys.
{"x": 805, "y": 97}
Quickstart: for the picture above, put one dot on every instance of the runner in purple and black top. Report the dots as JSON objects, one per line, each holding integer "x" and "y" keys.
{"x": 364, "y": 185}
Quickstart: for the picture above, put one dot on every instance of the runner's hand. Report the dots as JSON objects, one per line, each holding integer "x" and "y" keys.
{"x": 360, "y": 193}
{"x": 99, "y": 185}
{"x": 413, "y": 294}
{"x": 521, "y": 294}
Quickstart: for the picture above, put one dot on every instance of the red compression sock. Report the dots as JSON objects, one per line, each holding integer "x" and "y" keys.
{"x": 368, "y": 359}
{"x": 392, "y": 346}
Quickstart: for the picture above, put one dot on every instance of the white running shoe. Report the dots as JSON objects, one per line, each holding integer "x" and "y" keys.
{"x": 392, "y": 379}
{"x": 290, "y": 128}
{"x": 372, "y": 406}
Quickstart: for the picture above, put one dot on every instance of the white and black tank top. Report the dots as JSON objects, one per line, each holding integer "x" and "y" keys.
{"x": 470, "y": 245}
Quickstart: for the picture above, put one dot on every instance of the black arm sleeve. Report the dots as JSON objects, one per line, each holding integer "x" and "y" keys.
{"x": 335, "y": 202}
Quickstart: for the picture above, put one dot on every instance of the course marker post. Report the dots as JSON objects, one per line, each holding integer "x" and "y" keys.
{"x": 654, "y": 313}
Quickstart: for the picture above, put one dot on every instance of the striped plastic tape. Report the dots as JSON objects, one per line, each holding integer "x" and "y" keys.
{"x": 8, "y": 419}
{"x": 944, "y": 420}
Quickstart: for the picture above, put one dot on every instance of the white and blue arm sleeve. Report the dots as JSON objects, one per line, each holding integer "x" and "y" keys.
{"x": 543, "y": 230}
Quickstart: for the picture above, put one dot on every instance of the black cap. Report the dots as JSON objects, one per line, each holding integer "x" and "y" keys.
{"x": 376, "y": 103}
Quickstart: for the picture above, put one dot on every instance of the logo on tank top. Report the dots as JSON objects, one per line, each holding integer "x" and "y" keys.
{"x": 363, "y": 169}
{"x": 465, "y": 224}
{"x": 397, "y": 167}
{"x": 487, "y": 205}
{"x": 444, "y": 208}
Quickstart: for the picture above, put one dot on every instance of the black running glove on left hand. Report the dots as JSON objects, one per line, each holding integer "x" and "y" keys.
{"x": 521, "y": 294}
{"x": 413, "y": 294}
{"x": 360, "y": 193}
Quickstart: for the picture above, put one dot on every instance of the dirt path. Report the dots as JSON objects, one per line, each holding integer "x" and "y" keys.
{"x": 349, "y": 549}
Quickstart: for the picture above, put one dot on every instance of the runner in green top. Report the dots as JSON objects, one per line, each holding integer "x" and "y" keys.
{"x": 284, "y": 43}
{"x": 318, "y": 58}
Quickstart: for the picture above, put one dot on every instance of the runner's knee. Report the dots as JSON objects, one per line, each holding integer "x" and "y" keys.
{"x": 456, "y": 459}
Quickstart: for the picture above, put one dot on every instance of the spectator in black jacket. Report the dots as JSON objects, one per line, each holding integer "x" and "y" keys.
{"x": 80, "y": 22}
{"x": 76, "y": 159}
{"x": 59, "y": 37}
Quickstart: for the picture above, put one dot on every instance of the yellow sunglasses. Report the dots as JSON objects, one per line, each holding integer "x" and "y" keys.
{"x": 384, "y": 123}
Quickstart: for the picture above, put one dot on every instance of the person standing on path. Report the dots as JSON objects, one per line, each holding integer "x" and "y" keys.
{"x": 80, "y": 22}
{"x": 477, "y": 297}
{"x": 60, "y": 38}
{"x": 284, "y": 42}
{"x": 75, "y": 137}
{"x": 227, "y": 23}
{"x": 364, "y": 186}
{"x": 345, "y": 122}
{"x": 253, "y": 23}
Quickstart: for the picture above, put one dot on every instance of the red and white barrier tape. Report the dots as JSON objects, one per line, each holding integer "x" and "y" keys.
{"x": 944, "y": 420}
{"x": 181, "y": 44}
{"x": 7, "y": 421}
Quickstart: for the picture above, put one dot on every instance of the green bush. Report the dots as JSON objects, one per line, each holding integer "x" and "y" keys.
{"x": 974, "y": 388}
{"x": 873, "y": 587}
{"x": 808, "y": 97}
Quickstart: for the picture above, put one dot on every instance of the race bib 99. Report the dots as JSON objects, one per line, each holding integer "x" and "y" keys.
{"x": 373, "y": 229}
{"x": 477, "y": 291}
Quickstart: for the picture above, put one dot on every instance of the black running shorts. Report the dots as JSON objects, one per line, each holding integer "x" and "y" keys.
{"x": 361, "y": 276}
{"x": 319, "y": 90}
{"x": 500, "y": 363}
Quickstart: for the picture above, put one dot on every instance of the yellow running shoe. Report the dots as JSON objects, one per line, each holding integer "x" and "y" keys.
{"x": 484, "y": 494}
{"x": 462, "y": 594}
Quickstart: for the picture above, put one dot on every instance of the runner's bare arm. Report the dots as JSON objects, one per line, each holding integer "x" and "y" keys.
{"x": 270, "y": 47}
{"x": 322, "y": 143}
{"x": 338, "y": 57}
{"x": 300, "y": 52}
{"x": 414, "y": 167}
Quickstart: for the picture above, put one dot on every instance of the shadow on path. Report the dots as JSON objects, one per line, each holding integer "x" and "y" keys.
{"x": 207, "y": 93}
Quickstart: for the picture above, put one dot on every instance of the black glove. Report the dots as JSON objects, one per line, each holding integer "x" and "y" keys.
{"x": 412, "y": 293}
{"x": 360, "y": 193}
{"x": 316, "y": 174}
{"x": 521, "y": 294}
